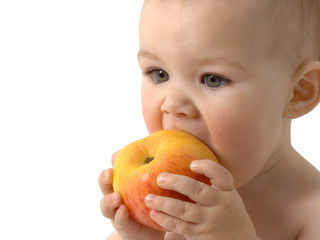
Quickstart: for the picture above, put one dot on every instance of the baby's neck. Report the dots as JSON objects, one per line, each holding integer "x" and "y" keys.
{"x": 266, "y": 181}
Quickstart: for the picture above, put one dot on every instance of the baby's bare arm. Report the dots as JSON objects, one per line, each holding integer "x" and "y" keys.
{"x": 173, "y": 236}
{"x": 312, "y": 230}
{"x": 169, "y": 236}
{"x": 114, "y": 236}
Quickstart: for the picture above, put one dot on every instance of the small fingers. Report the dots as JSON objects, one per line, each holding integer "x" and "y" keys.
{"x": 105, "y": 181}
{"x": 109, "y": 204}
{"x": 220, "y": 177}
{"x": 171, "y": 223}
{"x": 197, "y": 191}
{"x": 105, "y": 178}
{"x": 185, "y": 211}
{"x": 114, "y": 156}
{"x": 121, "y": 218}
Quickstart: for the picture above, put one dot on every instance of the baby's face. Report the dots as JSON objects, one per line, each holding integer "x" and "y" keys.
{"x": 210, "y": 69}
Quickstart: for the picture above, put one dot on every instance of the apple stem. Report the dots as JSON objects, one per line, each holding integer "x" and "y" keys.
{"x": 148, "y": 160}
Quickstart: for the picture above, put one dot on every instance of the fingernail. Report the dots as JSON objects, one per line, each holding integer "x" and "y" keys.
{"x": 153, "y": 214}
{"x": 162, "y": 178}
{"x": 194, "y": 164}
{"x": 150, "y": 198}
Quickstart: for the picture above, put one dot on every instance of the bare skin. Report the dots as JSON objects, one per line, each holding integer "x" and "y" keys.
{"x": 213, "y": 75}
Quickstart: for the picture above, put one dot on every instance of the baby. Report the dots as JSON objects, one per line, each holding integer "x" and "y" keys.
{"x": 233, "y": 73}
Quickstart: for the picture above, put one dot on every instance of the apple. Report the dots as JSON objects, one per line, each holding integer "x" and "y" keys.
{"x": 138, "y": 165}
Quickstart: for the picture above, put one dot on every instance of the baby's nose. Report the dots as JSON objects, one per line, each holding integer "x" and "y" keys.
{"x": 179, "y": 104}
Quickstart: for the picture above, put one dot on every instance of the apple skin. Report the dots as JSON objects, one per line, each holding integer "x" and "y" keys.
{"x": 138, "y": 165}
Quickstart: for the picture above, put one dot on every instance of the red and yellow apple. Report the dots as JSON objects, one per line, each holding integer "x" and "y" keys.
{"x": 138, "y": 165}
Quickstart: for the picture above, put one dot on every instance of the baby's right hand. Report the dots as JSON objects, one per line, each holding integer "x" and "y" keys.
{"x": 113, "y": 208}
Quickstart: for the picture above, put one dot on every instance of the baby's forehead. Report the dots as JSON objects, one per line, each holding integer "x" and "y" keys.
{"x": 209, "y": 13}
{"x": 283, "y": 19}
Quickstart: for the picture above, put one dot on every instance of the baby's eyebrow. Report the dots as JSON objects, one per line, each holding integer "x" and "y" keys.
{"x": 220, "y": 60}
{"x": 208, "y": 60}
{"x": 143, "y": 53}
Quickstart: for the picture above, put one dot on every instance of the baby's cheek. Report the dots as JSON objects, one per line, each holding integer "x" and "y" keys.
{"x": 151, "y": 106}
{"x": 236, "y": 140}
{"x": 231, "y": 138}
{"x": 152, "y": 116}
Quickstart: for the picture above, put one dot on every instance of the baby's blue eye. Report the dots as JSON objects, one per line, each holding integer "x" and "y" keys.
{"x": 160, "y": 76}
{"x": 214, "y": 81}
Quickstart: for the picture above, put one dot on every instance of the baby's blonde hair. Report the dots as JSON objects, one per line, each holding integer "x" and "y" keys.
{"x": 301, "y": 20}
{"x": 300, "y": 26}
{"x": 310, "y": 18}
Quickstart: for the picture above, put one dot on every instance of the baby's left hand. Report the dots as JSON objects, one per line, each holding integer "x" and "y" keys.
{"x": 219, "y": 212}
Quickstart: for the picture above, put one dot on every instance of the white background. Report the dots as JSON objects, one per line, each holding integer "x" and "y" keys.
{"x": 69, "y": 98}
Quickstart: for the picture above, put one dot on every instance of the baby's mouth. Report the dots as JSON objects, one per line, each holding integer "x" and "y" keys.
{"x": 196, "y": 134}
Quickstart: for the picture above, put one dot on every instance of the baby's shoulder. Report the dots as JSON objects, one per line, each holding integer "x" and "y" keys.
{"x": 307, "y": 204}
{"x": 306, "y": 186}
{"x": 311, "y": 228}
{"x": 292, "y": 202}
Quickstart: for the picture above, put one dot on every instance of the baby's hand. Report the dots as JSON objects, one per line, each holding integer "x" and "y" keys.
{"x": 218, "y": 213}
{"x": 113, "y": 208}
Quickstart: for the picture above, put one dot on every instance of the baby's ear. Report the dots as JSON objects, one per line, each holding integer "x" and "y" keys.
{"x": 306, "y": 91}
